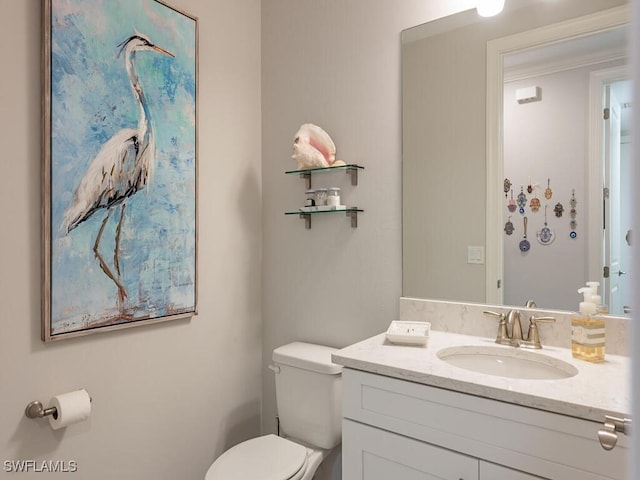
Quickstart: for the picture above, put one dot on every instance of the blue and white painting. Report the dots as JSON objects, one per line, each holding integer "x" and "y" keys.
{"x": 122, "y": 167}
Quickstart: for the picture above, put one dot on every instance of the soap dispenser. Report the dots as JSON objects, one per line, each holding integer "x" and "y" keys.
{"x": 597, "y": 299}
{"x": 587, "y": 329}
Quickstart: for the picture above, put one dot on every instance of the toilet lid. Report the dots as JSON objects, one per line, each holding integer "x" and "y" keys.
{"x": 266, "y": 458}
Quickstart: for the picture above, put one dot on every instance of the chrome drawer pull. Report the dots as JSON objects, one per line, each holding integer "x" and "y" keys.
{"x": 608, "y": 434}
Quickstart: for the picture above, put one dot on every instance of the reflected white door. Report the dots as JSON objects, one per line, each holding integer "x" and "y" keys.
{"x": 626, "y": 219}
{"x": 616, "y": 208}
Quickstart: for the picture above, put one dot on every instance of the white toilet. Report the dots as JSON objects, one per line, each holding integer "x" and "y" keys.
{"x": 309, "y": 399}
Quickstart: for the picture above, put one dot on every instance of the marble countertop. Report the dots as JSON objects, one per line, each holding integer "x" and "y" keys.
{"x": 598, "y": 389}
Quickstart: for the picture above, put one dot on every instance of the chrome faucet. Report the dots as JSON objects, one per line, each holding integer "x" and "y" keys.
{"x": 510, "y": 329}
{"x": 513, "y": 320}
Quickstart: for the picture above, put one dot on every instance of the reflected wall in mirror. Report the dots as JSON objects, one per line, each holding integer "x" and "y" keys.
{"x": 547, "y": 152}
{"x": 451, "y": 249}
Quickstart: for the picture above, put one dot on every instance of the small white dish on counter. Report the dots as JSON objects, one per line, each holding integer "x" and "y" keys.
{"x": 408, "y": 333}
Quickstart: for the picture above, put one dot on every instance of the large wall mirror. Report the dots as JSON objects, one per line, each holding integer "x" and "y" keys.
{"x": 516, "y": 96}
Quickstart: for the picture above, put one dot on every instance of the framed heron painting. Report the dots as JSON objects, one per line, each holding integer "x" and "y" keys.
{"x": 119, "y": 165}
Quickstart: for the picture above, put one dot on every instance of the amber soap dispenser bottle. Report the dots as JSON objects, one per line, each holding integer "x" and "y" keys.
{"x": 587, "y": 330}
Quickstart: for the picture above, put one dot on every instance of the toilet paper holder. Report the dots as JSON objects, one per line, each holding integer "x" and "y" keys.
{"x": 35, "y": 409}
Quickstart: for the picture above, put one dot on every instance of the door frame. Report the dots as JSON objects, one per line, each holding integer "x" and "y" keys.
{"x": 595, "y": 174}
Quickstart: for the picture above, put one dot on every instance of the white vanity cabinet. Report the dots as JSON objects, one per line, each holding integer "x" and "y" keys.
{"x": 399, "y": 430}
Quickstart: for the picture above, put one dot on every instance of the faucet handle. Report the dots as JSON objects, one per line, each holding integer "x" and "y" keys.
{"x": 502, "y": 336}
{"x": 535, "y": 319}
{"x": 533, "y": 335}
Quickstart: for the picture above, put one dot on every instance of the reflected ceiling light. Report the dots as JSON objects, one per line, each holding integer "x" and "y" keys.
{"x": 489, "y": 8}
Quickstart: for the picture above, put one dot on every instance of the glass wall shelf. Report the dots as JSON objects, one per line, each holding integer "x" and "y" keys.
{"x": 351, "y": 169}
{"x": 351, "y": 212}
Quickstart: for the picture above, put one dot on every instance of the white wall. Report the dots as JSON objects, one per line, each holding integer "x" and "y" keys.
{"x": 167, "y": 398}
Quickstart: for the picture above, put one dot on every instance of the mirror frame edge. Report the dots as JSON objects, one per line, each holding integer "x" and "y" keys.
{"x": 599, "y": 21}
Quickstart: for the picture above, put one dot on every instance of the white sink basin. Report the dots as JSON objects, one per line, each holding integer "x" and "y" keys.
{"x": 507, "y": 362}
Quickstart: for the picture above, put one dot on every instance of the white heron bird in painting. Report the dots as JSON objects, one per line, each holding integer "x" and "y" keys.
{"x": 120, "y": 169}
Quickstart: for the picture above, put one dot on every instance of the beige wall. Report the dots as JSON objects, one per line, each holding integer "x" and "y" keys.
{"x": 171, "y": 397}
{"x": 336, "y": 64}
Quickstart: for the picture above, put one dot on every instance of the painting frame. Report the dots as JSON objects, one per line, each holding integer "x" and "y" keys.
{"x": 106, "y": 267}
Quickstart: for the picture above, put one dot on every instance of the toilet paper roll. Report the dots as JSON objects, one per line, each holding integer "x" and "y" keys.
{"x": 71, "y": 407}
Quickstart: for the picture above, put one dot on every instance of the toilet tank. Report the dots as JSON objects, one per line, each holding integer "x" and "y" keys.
{"x": 309, "y": 393}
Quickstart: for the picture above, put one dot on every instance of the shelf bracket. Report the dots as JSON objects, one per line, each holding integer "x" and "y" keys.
{"x": 353, "y": 171}
{"x": 354, "y": 218}
{"x": 307, "y": 220}
{"x": 307, "y": 179}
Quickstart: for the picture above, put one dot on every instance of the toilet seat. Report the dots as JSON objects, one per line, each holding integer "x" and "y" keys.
{"x": 268, "y": 457}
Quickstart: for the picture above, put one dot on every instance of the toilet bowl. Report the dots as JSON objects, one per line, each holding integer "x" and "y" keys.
{"x": 268, "y": 457}
{"x": 309, "y": 400}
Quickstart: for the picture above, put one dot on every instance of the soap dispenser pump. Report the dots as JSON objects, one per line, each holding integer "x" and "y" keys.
{"x": 597, "y": 299}
{"x": 587, "y": 328}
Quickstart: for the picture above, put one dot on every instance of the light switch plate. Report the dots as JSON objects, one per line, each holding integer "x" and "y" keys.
{"x": 475, "y": 255}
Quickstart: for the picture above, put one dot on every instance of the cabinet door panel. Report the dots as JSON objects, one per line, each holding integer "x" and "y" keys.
{"x": 369, "y": 453}
{"x": 554, "y": 446}
{"x": 491, "y": 471}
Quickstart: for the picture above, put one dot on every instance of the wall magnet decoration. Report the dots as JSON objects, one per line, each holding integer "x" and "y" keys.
{"x": 535, "y": 203}
{"x": 548, "y": 193}
{"x": 546, "y": 235}
{"x": 522, "y": 200}
{"x": 558, "y": 209}
{"x": 524, "y": 243}
{"x": 508, "y": 227}
{"x": 507, "y": 186}
{"x": 573, "y": 224}
{"x": 511, "y": 206}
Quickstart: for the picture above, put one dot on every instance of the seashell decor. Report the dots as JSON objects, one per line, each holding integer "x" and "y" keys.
{"x": 313, "y": 148}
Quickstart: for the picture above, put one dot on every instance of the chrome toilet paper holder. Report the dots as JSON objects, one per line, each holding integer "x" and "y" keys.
{"x": 35, "y": 409}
